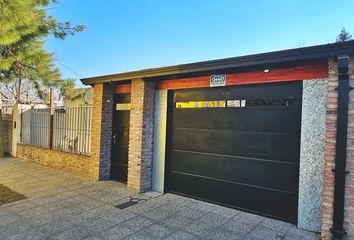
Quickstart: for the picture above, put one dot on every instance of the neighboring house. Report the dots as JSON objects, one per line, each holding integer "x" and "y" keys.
{"x": 264, "y": 133}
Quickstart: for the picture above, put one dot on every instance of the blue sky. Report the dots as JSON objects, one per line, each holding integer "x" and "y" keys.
{"x": 130, "y": 35}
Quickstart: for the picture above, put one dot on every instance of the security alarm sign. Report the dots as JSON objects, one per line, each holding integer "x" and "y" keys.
{"x": 218, "y": 80}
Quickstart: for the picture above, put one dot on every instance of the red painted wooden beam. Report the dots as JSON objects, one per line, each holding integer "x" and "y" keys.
{"x": 123, "y": 88}
{"x": 297, "y": 73}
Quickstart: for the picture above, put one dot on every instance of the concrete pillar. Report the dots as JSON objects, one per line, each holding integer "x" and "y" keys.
{"x": 141, "y": 135}
{"x": 160, "y": 124}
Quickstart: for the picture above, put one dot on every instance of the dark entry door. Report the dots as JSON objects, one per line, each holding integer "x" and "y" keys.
{"x": 120, "y": 137}
{"x": 238, "y": 146}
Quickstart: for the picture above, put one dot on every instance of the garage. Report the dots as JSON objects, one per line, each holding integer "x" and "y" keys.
{"x": 238, "y": 146}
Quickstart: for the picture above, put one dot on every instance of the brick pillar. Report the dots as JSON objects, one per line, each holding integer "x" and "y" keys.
{"x": 330, "y": 150}
{"x": 106, "y": 132}
{"x": 141, "y": 135}
{"x": 101, "y": 130}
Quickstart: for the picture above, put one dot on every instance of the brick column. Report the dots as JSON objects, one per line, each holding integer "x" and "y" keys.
{"x": 141, "y": 135}
{"x": 106, "y": 132}
{"x": 330, "y": 150}
{"x": 101, "y": 130}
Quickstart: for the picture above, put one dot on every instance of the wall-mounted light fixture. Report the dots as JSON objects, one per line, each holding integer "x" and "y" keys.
{"x": 266, "y": 70}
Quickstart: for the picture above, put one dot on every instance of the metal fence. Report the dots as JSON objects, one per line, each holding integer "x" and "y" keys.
{"x": 70, "y": 128}
{"x": 34, "y": 127}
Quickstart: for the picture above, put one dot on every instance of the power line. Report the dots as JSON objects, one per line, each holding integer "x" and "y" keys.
{"x": 69, "y": 69}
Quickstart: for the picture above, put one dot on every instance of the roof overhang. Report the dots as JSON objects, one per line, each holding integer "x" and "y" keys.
{"x": 291, "y": 55}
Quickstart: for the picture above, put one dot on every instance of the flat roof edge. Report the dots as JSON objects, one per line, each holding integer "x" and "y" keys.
{"x": 289, "y": 55}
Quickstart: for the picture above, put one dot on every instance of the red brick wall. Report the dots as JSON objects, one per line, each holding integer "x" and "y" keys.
{"x": 329, "y": 164}
{"x": 141, "y": 135}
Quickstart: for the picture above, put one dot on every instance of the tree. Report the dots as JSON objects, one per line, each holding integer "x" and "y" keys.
{"x": 344, "y": 36}
{"x": 25, "y": 25}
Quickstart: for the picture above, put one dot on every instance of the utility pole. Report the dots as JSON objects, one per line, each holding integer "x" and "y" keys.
{"x": 50, "y": 119}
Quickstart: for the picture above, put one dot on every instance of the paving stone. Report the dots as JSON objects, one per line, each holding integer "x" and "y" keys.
{"x": 179, "y": 235}
{"x": 69, "y": 211}
{"x": 32, "y": 212}
{"x": 92, "y": 238}
{"x": 8, "y": 219}
{"x": 13, "y": 229}
{"x": 264, "y": 233}
{"x": 239, "y": 227}
{"x": 145, "y": 207}
{"x": 277, "y": 225}
{"x": 116, "y": 233}
{"x": 138, "y": 236}
{"x": 226, "y": 212}
{"x": 104, "y": 210}
{"x": 137, "y": 223}
{"x": 204, "y": 206}
{"x": 157, "y": 231}
{"x": 21, "y": 205}
{"x": 216, "y": 219}
{"x": 178, "y": 221}
{"x": 42, "y": 219}
{"x": 157, "y": 214}
{"x": 221, "y": 234}
{"x": 192, "y": 213}
{"x": 29, "y": 235}
{"x": 296, "y": 233}
{"x": 90, "y": 204}
{"x": 82, "y": 218}
{"x": 118, "y": 217}
{"x": 75, "y": 233}
{"x": 52, "y": 228}
{"x": 200, "y": 227}
{"x": 248, "y": 218}
{"x": 4, "y": 211}
{"x": 98, "y": 225}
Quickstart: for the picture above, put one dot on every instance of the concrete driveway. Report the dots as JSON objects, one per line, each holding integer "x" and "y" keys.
{"x": 63, "y": 206}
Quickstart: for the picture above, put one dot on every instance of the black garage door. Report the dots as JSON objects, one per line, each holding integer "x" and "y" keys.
{"x": 238, "y": 146}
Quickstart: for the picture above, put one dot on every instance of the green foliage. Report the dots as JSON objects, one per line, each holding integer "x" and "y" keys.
{"x": 70, "y": 92}
{"x": 344, "y": 36}
{"x": 24, "y": 26}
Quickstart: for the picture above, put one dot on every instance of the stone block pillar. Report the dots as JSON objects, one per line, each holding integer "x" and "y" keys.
{"x": 141, "y": 135}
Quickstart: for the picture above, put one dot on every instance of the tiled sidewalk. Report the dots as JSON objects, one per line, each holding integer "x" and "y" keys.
{"x": 63, "y": 206}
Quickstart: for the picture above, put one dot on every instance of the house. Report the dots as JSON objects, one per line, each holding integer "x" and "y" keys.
{"x": 267, "y": 133}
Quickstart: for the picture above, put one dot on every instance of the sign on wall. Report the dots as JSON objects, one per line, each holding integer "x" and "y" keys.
{"x": 218, "y": 80}
{"x": 200, "y": 104}
{"x": 123, "y": 106}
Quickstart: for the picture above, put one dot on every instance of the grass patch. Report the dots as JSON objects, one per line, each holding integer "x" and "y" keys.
{"x": 8, "y": 196}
